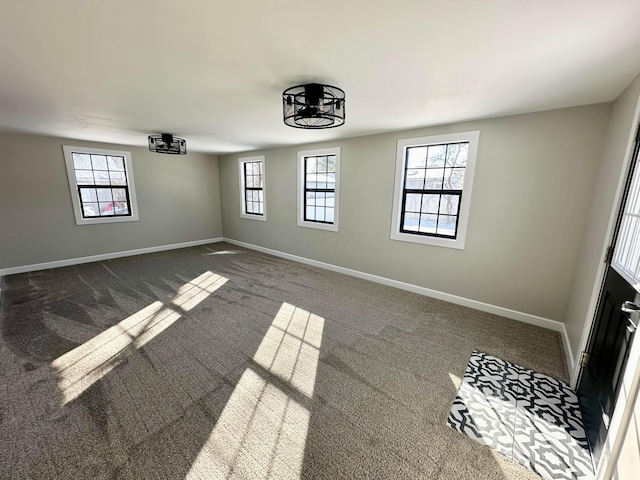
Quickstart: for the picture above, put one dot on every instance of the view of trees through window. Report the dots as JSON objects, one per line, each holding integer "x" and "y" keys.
{"x": 319, "y": 188}
{"x": 432, "y": 188}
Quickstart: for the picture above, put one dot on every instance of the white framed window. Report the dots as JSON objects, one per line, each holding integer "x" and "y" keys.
{"x": 101, "y": 185}
{"x": 251, "y": 171}
{"x": 319, "y": 188}
{"x": 432, "y": 192}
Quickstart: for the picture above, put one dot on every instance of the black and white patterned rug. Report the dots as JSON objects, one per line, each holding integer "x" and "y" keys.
{"x": 527, "y": 416}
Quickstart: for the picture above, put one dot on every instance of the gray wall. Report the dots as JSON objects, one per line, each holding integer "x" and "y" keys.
{"x": 534, "y": 177}
{"x": 602, "y": 210}
{"x": 178, "y": 201}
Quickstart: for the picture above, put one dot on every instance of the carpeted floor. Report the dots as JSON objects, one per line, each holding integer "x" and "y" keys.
{"x": 220, "y": 362}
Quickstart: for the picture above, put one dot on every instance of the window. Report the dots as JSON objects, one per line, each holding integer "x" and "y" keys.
{"x": 432, "y": 192}
{"x": 252, "y": 182}
{"x": 101, "y": 183}
{"x": 318, "y": 188}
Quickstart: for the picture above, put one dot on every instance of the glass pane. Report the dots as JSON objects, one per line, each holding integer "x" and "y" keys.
{"x": 118, "y": 178}
{"x": 119, "y": 194}
{"x": 321, "y": 180}
{"x": 84, "y": 177}
{"x": 106, "y": 209}
{"x": 331, "y": 181}
{"x": 81, "y": 161}
{"x": 257, "y": 181}
{"x": 322, "y": 164}
{"x": 104, "y": 195}
{"x": 430, "y": 203}
{"x": 447, "y": 225}
{"x": 449, "y": 204}
{"x": 436, "y": 156}
{"x": 116, "y": 163}
{"x": 99, "y": 162}
{"x": 457, "y": 154}
{"x": 260, "y": 195}
{"x": 434, "y": 179}
{"x": 319, "y": 213}
{"x": 411, "y": 221}
{"x": 330, "y": 199}
{"x": 329, "y": 215}
{"x": 320, "y": 196}
{"x": 311, "y": 213}
{"x": 412, "y": 203}
{"x": 454, "y": 178}
{"x": 260, "y": 208}
{"x": 428, "y": 223}
{"x": 311, "y": 164}
{"x": 416, "y": 157}
{"x": 88, "y": 195}
{"x": 102, "y": 177}
{"x": 311, "y": 198}
{"x": 331, "y": 163}
{"x": 312, "y": 181}
{"x": 414, "y": 179}
{"x": 122, "y": 208}
{"x": 90, "y": 210}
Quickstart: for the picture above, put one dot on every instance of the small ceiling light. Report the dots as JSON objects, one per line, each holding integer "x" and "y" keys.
{"x": 167, "y": 143}
{"x": 313, "y": 106}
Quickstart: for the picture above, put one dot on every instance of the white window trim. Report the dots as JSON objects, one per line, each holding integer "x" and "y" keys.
{"x": 301, "y": 183}
{"x": 73, "y": 186}
{"x": 243, "y": 206}
{"x": 472, "y": 137}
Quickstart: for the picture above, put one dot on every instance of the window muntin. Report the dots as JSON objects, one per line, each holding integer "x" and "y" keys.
{"x": 252, "y": 187}
{"x": 318, "y": 188}
{"x": 101, "y": 183}
{"x": 432, "y": 193}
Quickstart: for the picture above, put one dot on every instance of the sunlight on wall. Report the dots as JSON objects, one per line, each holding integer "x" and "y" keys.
{"x": 262, "y": 430}
{"x": 80, "y": 368}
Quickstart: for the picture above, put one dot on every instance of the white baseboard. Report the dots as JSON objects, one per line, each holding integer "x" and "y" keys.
{"x": 466, "y": 302}
{"x": 105, "y": 256}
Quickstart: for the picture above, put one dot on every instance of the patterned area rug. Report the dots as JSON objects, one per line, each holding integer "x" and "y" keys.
{"x": 526, "y": 416}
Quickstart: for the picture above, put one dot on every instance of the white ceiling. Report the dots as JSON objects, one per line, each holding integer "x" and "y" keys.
{"x": 213, "y": 71}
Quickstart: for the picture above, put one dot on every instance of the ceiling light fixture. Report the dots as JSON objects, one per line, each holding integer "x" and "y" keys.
{"x": 167, "y": 143}
{"x": 313, "y": 106}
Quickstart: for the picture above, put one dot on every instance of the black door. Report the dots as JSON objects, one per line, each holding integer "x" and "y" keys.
{"x": 616, "y": 319}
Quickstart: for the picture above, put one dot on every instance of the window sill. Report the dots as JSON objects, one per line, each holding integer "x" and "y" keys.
{"x": 457, "y": 243}
{"x": 318, "y": 226}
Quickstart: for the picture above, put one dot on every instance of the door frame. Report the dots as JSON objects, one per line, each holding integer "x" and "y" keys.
{"x": 623, "y": 409}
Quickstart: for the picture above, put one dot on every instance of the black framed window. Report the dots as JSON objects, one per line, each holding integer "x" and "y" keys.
{"x": 253, "y": 188}
{"x": 432, "y": 189}
{"x": 102, "y": 183}
{"x": 319, "y": 189}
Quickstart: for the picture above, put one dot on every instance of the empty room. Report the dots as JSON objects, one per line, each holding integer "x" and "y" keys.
{"x": 336, "y": 240}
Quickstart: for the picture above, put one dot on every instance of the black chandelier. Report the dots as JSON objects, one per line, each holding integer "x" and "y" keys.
{"x": 167, "y": 143}
{"x": 313, "y": 106}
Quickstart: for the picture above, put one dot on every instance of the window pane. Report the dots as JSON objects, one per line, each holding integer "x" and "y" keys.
{"x": 320, "y": 196}
{"x": 411, "y": 221}
{"x": 311, "y": 213}
{"x": 119, "y": 194}
{"x": 257, "y": 181}
{"x": 430, "y": 203}
{"x": 330, "y": 199}
{"x": 321, "y": 180}
{"x": 81, "y": 161}
{"x": 104, "y": 195}
{"x": 319, "y": 214}
{"x": 88, "y": 195}
{"x": 457, "y": 154}
{"x": 331, "y": 181}
{"x": 122, "y": 208}
{"x": 84, "y": 177}
{"x": 449, "y": 204}
{"x": 311, "y": 181}
{"x": 434, "y": 179}
{"x": 101, "y": 177}
{"x": 454, "y": 178}
{"x": 106, "y": 209}
{"x": 329, "y": 212}
{"x": 90, "y": 210}
{"x": 428, "y": 223}
{"x": 311, "y": 198}
{"x": 99, "y": 162}
{"x": 331, "y": 163}
{"x": 116, "y": 163}
{"x": 447, "y": 225}
{"x": 322, "y": 164}
{"x": 311, "y": 164}
{"x": 414, "y": 179}
{"x": 416, "y": 157}
{"x": 436, "y": 156}
{"x": 260, "y": 194}
{"x": 413, "y": 202}
{"x": 118, "y": 178}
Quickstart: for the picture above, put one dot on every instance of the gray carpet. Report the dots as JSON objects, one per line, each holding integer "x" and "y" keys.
{"x": 220, "y": 362}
